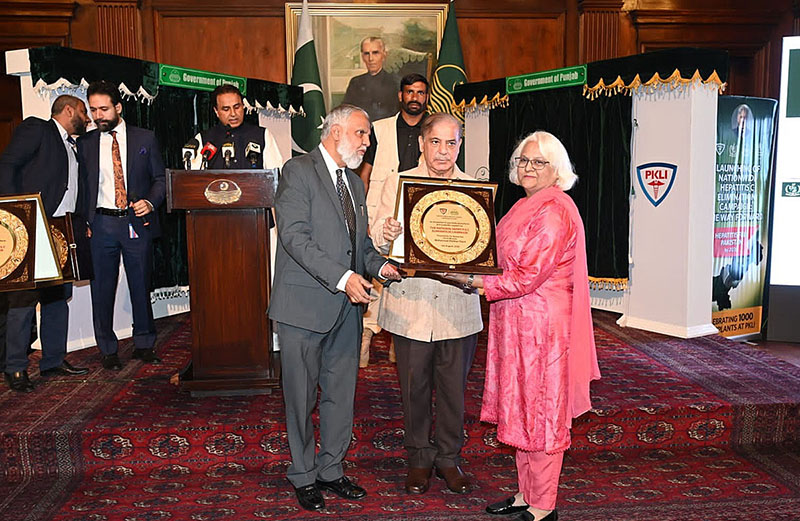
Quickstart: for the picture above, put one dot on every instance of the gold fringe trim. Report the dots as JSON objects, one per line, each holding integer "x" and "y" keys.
{"x": 598, "y": 283}
{"x": 485, "y": 104}
{"x": 673, "y": 81}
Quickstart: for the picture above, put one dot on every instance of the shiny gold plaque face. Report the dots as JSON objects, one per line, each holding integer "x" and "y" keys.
{"x": 450, "y": 227}
{"x": 13, "y": 243}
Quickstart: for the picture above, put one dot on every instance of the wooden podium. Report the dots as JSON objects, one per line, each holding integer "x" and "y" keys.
{"x": 227, "y": 234}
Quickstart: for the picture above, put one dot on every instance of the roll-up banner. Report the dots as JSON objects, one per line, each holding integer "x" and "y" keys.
{"x": 745, "y": 129}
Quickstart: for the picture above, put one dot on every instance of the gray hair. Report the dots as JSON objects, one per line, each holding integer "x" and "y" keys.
{"x": 553, "y": 151}
{"x": 339, "y": 116}
{"x": 370, "y": 39}
{"x": 439, "y": 117}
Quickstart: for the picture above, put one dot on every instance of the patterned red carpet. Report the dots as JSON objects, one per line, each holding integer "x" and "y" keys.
{"x": 704, "y": 429}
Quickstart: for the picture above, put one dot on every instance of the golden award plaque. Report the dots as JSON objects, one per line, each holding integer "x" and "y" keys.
{"x": 448, "y": 225}
{"x": 13, "y": 243}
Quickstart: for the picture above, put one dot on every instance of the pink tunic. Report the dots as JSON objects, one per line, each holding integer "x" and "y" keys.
{"x": 541, "y": 354}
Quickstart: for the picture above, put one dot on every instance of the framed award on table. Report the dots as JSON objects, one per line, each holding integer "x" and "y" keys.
{"x": 28, "y": 256}
{"x": 448, "y": 225}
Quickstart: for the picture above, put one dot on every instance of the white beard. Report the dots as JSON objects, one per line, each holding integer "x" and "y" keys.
{"x": 351, "y": 157}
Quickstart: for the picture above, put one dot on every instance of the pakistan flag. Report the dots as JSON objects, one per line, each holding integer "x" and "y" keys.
{"x": 305, "y": 74}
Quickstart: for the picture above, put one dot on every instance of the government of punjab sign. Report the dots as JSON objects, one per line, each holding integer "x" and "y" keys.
{"x": 173, "y": 76}
{"x": 552, "y": 79}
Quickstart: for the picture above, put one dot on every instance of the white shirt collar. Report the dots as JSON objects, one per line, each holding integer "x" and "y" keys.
{"x": 329, "y": 162}
{"x": 61, "y": 130}
{"x": 120, "y": 128}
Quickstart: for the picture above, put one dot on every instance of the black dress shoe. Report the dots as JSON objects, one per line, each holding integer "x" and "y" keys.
{"x": 505, "y": 507}
{"x": 65, "y": 369}
{"x": 147, "y": 356}
{"x": 310, "y": 497}
{"x": 343, "y": 487}
{"x": 527, "y": 516}
{"x": 19, "y": 381}
{"x": 112, "y": 363}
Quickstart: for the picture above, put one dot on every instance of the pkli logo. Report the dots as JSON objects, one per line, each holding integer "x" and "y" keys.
{"x": 656, "y": 180}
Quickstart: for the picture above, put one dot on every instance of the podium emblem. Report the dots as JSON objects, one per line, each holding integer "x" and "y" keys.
{"x": 656, "y": 180}
{"x": 222, "y": 191}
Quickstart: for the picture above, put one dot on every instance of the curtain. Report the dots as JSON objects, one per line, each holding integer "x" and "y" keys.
{"x": 597, "y": 135}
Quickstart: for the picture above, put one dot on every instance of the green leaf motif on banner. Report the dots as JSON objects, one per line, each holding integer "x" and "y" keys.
{"x": 553, "y": 79}
{"x": 173, "y": 76}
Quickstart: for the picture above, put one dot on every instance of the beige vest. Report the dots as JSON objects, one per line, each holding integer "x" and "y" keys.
{"x": 386, "y": 162}
{"x": 421, "y": 308}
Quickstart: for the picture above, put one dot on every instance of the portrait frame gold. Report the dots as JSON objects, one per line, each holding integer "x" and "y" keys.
{"x": 463, "y": 212}
{"x": 363, "y": 20}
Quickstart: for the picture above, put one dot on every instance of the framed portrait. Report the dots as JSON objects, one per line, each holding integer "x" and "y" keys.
{"x": 411, "y": 34}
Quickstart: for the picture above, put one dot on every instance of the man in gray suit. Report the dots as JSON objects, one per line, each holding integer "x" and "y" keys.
{"x": 323, "y": 255}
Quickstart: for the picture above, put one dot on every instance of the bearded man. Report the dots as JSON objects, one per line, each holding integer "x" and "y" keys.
{"x": 323, "y": 257}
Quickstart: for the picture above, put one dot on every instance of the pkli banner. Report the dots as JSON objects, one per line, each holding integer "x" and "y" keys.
{"x": 745, "y": 128}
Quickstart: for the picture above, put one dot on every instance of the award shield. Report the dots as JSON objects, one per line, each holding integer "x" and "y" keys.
{"x": 448, "y": 225}
{"x": 29, "y": 257}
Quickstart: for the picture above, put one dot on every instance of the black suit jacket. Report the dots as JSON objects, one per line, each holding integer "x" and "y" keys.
{"x": 144, "y": 170}
{"x": 36, "y": 161}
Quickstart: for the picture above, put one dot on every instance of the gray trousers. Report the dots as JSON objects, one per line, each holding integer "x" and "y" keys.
{"x": 422, "y": 367}
{"x": 330, "y": 361}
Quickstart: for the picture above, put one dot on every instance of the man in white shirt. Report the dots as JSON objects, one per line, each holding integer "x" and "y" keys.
{"x": 122, "y": 183}
{"x": 41, "y": 158}
{"x": 324, "y": 254}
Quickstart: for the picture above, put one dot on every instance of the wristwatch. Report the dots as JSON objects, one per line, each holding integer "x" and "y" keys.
{"x": 468, "y": 283}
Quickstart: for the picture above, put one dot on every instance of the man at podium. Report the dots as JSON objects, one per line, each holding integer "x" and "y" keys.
{"x": 41, "y": 158}
{"x": 232, "y": 143}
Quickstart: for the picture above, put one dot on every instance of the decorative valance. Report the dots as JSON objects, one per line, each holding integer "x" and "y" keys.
{"x": 63, "y": 70}
{"x": 670, "y": 68}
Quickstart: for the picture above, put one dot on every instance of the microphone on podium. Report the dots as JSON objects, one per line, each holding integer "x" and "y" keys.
{"x": 228, "y": 153}
{"x": 189, "y": 152}
{"x": 253, "y": 153}
{"x": 208, "y": 152}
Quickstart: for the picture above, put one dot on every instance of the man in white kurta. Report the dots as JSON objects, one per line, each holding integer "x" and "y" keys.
{"x": 434, "y": 326}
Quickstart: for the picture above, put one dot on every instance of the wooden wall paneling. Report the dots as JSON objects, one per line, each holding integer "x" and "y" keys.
{"x": 119, "y": 28}
{"x": 27, "y": 24}
{"x": 251, "y": 46}
{"x": 498, "y": 37}
{"x": 599, "y": 34}
{"x": 497, "y": 47}
{"x": 748, "y": 31}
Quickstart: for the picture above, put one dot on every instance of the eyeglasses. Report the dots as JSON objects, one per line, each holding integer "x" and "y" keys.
{"x": 523, "y": 162}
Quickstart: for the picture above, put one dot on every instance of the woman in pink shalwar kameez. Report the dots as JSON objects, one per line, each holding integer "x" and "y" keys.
{"x": 541, "y": 354}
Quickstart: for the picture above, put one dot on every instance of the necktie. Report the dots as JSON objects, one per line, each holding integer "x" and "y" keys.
{"x": 349, "y": 213}
{"x": 74, "y": 146}
{"x": 120, "y": 197}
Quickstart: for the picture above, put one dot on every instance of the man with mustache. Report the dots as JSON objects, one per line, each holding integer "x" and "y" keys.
{"x": 122, "y": 184}
{"x": 41, "y": 158}
{"x": 323, "y": 255}
{"x": 232, "y": 128}
{"x": 435, "y": 329}
{"x": 394, "y": 148}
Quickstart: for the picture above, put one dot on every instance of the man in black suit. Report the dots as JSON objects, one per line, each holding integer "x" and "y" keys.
{"x": 41, "y": 158}
{"x": 122, "y": 183}
{"x": 319, "y": 288}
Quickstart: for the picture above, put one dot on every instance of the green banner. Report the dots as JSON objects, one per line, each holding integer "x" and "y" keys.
{"x": 173, "y": 76}
{"x": 744, "y": 154}
{"x": 552, "y": 79}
